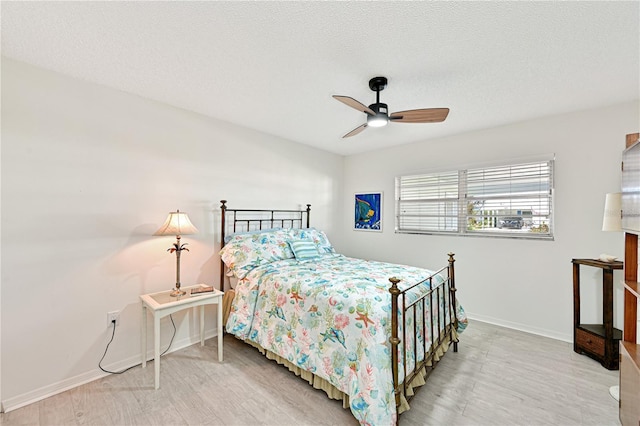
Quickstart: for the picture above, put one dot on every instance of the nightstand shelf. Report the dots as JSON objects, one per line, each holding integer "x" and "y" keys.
{"x": 598, "y": 341}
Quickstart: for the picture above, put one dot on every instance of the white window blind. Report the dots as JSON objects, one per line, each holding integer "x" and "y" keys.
{"x": 512, "y": 200}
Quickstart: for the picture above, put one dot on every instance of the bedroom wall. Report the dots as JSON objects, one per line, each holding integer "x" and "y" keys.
{"x": 523, "y": 284}
{"x": 88, "y": 174}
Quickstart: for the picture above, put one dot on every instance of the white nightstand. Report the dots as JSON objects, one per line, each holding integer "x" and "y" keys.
{"x": 162, "y": 304}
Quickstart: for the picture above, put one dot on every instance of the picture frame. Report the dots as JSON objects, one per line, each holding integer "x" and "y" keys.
{"x": 368, "y": 211}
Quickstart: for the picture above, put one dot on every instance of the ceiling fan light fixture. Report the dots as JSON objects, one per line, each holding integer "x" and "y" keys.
{"x": 378, "y": 120}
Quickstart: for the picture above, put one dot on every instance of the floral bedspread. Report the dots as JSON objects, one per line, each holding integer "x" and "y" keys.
{"x": 330, "y": 317}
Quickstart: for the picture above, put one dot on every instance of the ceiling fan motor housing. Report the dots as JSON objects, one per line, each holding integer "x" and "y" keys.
{"x": 381, "y": 118}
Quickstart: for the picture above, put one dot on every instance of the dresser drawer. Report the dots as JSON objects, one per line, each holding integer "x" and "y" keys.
{"x": 590, "y": 342}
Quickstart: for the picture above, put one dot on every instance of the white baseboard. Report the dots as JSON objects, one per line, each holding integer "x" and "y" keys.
{"x": 521, "y": 327}
{"x": 36, "y": 395}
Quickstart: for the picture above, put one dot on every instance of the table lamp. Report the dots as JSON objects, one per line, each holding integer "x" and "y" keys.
{"x": 612, "y": 219}
{"x": 177, "y": 224}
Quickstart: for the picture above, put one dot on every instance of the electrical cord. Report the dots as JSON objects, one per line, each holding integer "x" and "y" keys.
{"x": 129, "y": 368}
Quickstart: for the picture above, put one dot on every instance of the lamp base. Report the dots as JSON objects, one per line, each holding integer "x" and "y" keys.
{"x": 178, "y": 292}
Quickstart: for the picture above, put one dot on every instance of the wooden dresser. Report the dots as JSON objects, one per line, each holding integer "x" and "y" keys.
{"x": 629, "y": 349}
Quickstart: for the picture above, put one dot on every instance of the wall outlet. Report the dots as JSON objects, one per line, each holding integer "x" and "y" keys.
{"x": 113, "y": 316}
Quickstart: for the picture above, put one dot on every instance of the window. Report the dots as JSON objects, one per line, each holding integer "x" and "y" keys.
{"x": 511, "y": 201}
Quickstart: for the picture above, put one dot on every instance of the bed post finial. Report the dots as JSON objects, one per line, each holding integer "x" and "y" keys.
{"x": 308, "y": 214}
{"x": 394, "y": 339}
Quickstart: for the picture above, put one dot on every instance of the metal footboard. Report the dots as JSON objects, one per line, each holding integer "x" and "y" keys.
{"x": 440, "y": 324}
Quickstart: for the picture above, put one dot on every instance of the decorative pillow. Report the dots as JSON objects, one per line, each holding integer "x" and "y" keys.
{"x": 317, "y": 236}
{"x": 304, "y": 249}
{"x": 244, "y": 251}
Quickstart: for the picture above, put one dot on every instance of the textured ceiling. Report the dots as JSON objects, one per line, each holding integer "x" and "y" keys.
{"x": 273, "y": 66}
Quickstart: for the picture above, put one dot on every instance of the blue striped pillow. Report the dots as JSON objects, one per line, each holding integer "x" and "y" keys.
{"x": 304, "y": 249}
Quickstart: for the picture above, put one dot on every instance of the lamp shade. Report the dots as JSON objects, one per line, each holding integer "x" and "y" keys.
{"x": 177, "y": 223}
{"x": 612, "y": 220}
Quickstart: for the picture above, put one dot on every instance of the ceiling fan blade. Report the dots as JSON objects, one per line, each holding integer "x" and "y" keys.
{"x": 426, "y": 115}
{"x": 355, "y": 131}
{"x": 354, "y": 104}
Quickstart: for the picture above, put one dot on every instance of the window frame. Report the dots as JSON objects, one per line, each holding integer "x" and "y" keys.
{"x": 425, "y": 205}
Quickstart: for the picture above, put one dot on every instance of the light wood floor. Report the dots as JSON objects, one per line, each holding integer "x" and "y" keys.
{"x": 498, "y": 377}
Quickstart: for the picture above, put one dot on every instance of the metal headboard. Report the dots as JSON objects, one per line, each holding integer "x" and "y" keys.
{"x": 240, "y": 220}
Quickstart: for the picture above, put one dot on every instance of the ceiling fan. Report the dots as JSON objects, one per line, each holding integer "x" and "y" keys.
{"x": 377, "y": 114}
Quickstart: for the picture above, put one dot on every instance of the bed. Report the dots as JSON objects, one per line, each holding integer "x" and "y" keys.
{"x": 367, "y": 333}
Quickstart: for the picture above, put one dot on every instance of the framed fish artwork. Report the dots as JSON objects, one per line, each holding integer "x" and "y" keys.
{"x": 368, "y": 211}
